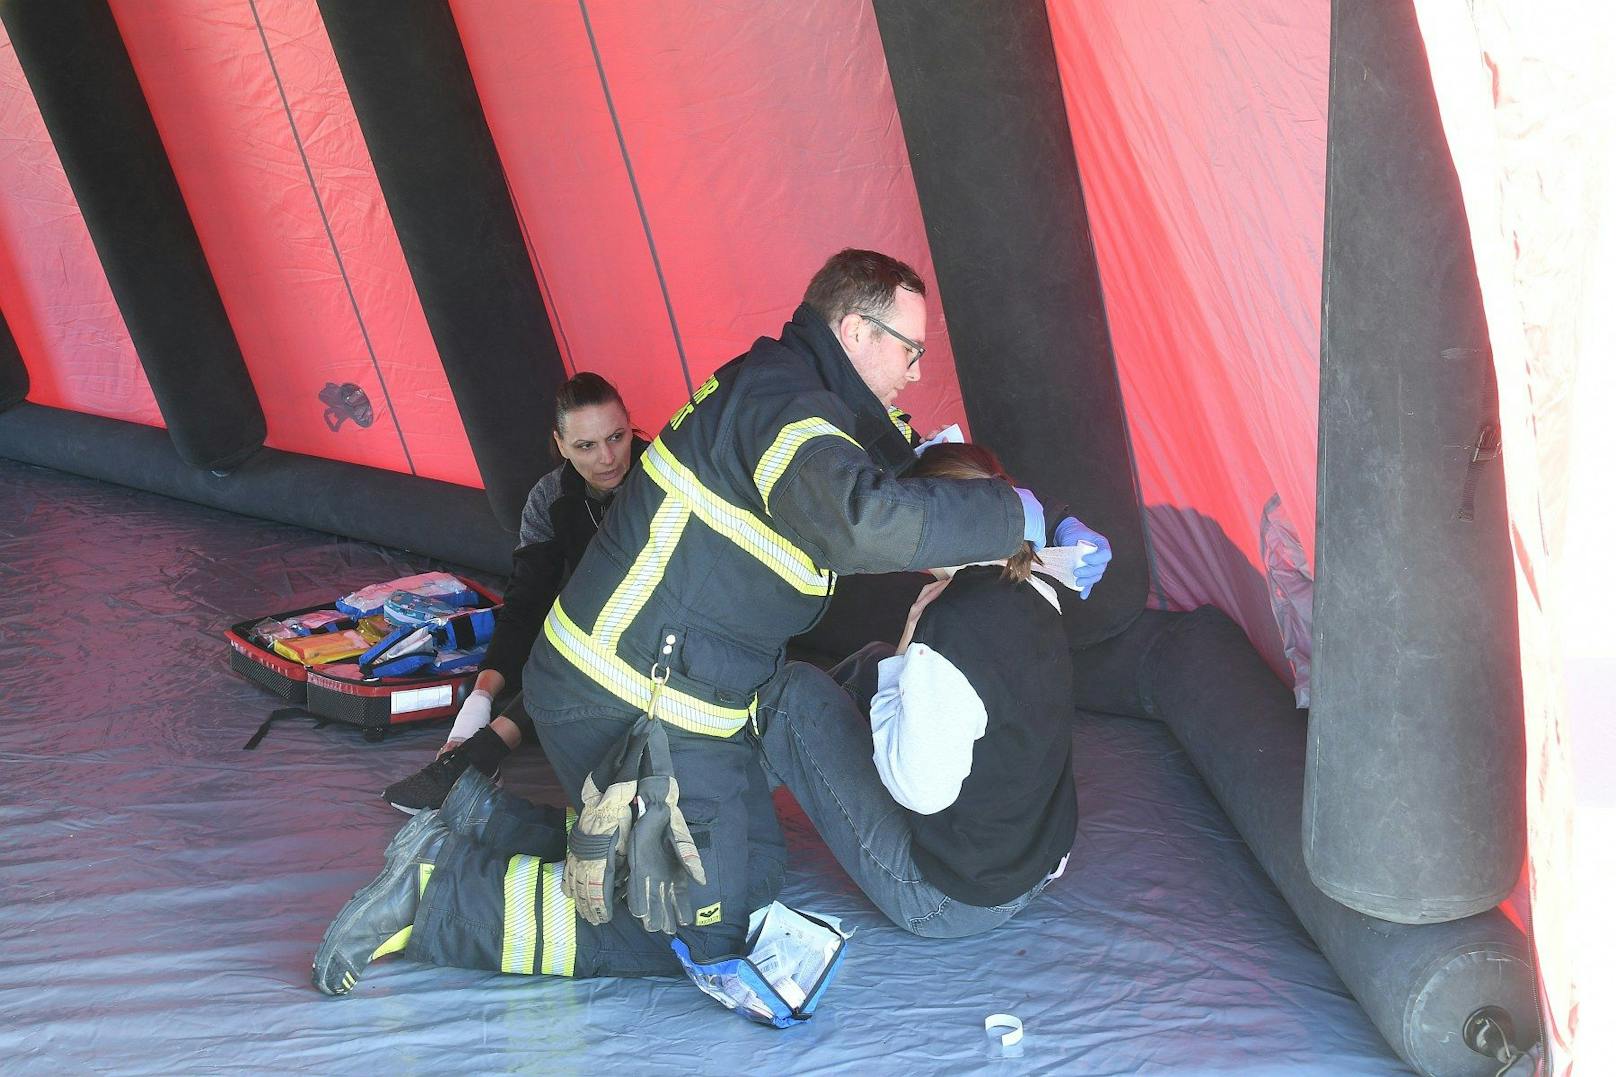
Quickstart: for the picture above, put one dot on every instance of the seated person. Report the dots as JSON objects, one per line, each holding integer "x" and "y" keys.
{"x": 598, "y": 447}
{"x": 950, "y": 800}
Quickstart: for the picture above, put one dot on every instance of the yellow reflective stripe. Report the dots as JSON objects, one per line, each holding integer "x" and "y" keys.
{"x": 739, "y": 526}
{"x": 791, "y": 437}
{"x": 634, "y": 686}
{"x": 423, "y": 876}
{"x": 521, "y": 927}
{"x": 626, "y": 602}
{"x": 560, "y": 926}
{"x": 393, "y": 945}
{"x": 897, "y": 420}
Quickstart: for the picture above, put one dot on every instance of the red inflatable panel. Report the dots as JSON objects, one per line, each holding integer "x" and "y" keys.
{"x": 53, "y": 291}
{"x": 760, "y": 146}
{"x": 1199, "y": 132}
{"x": 314, "y": 298}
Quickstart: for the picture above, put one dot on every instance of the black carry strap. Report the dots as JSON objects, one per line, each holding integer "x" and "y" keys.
{"x": 1488, "y": 446}
{"x": 275, "y": 716}
{"x": 1488, "y": 442}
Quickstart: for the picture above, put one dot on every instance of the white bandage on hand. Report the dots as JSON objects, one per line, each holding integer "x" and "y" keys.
{"x": 476, "y": 712}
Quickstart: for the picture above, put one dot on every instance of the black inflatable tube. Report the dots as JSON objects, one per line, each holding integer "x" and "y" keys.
{"x": 437, "y": 519}
{"x": 14, "y": 383}
{"x": 1414, "y": 805}
{"x": 1239, "y": 725}
{"x": 423, "y": 123}
{"x": 980, "y": 100}
{"x": 98, "y": 121}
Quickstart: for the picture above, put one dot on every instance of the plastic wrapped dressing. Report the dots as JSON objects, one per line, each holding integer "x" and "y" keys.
{"x": 440, "y": 585}
{"x": 792, "y": 951}
{"x": 790, "y": 960}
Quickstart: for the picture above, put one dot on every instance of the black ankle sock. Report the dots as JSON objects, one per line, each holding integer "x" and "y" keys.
{"x": 485, "y": 751}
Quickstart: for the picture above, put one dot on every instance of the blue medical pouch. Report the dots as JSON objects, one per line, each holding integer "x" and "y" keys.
{"x": 459, "y": 661}
{"x": 465, "y": 631}
{"x": 767, "y": 991}
{"x": 403, "y": 666}
{"x": 456, "y": 645}
{"x": 398, "y": 644}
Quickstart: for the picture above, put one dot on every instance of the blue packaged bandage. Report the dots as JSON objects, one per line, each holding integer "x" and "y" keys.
{"x": 791, "y": 959}
{"x": 408, "y": 608}
{"x": 459, "y": 661}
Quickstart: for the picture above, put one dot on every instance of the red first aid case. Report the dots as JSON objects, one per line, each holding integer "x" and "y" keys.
{"x": 340, "y": 692}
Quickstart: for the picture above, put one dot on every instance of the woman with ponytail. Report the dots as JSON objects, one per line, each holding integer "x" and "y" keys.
{"x": 598, "y": 447}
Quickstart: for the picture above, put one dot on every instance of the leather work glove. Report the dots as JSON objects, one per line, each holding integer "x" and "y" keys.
{"x": 662, "y": 858}
{"x": 1070, "y": 532}
{"x": 597, "y": 847}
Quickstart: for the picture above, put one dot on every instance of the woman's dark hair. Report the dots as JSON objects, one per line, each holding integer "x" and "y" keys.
{"x": 584, "y": 389}
{"x": 954, "y": 461}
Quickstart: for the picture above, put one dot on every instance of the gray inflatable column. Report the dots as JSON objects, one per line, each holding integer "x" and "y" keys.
{"x": 90, "y": 99}
{"x": 435, "y": 159}
{"x": 1414, "y": 804}
{"x": 979, "y": 95}
{"x": 1453, "y": 999}
{"x": 14, "y": 382}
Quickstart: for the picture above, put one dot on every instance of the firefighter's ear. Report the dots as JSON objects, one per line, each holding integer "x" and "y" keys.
{"x": 851, "y": 331}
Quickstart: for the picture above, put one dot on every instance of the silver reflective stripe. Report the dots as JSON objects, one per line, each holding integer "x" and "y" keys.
{"x": 634, "y": 687}
{"x": 738, "y": 525}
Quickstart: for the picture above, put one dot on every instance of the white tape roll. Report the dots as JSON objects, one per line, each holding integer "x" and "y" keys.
{"x": 1009, "y": 1021}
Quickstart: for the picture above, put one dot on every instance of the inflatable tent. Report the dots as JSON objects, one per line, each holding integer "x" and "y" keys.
{"x": 1274, "y": 292}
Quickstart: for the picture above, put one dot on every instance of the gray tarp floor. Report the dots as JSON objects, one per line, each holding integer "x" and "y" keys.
{"x": 162, "y": 891}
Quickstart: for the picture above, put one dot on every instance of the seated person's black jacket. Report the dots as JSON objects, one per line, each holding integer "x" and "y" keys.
{"x": 1016, "y": 813}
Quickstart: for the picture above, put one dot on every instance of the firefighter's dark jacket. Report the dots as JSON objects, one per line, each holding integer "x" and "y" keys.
{"x": 782, "y": 471}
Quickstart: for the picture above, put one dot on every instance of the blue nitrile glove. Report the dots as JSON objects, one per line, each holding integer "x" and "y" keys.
{"x": 1033, "y": 513}
{"x": 1071, "y": 531}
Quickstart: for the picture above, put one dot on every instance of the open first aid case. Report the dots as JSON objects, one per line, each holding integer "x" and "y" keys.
{"x": 340, "y": 690}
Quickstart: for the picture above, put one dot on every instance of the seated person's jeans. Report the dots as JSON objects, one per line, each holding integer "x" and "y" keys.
{"x": 816, "y": 740}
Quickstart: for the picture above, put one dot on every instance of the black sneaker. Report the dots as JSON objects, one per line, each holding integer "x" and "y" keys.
{"x": 429, "y": 786}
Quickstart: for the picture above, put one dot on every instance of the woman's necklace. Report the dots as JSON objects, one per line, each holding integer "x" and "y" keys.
{"x": 589, "y": 504}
